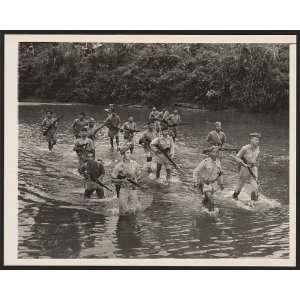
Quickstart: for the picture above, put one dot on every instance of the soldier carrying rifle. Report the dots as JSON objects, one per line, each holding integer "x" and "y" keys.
{"x": 49, "y": 128}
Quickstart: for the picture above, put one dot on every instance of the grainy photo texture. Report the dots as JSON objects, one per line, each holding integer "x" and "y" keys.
{"x": 153, "y": 150}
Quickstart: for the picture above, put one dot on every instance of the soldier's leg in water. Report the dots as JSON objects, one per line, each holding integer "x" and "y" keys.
{"x": 111, "y": 139}
{"x": 117, "y": 141}
{"x": 88, "y": 193}
{"x": 54, "y": 139}
{"x": 221, "y": 182}
{"x": 131, "y": 147}
{"x": 168, "y": 170}
{"x": 158, "y": 169}
{"x": 254, "y": 187}
{"x": 100, "y": 192}
{"x": 244, "y": 175}
{"x": 149, "y": 160}
{"x": 118, "y": 188}
{"x": 208, "y": 201}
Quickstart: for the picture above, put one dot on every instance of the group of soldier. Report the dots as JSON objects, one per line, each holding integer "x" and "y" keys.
{"x": 158, "y": 141}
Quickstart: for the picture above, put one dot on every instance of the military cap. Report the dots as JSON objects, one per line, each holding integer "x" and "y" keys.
{"x": 255, "y": 134}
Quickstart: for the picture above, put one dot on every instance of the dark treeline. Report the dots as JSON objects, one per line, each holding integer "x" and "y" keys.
{"x": 215, "y": 76}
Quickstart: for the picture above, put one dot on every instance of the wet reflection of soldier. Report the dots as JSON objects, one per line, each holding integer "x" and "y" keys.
{"x": 55, "y": 233}
{"x": 128, "y": 238}
{"x": 204, "y": 228}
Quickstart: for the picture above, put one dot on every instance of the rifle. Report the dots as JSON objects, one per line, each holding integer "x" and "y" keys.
{"x": 122, "y": 176}
{"x": 81, "y": 147}
{"x": 103, "y": 185}
{"x": 249, "y": 169}
{"x": 51, "y": 125}
{"x": 164, "y": 152}
{"x": 134, "y": 183}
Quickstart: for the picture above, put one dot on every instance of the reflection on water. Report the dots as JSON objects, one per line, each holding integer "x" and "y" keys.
{"x": 51, "y": 225}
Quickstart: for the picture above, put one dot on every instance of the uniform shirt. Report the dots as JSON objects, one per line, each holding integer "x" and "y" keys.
{"x": 78, "y": 125}
{"x": 84, "y": 149}
{"x": 164, "y": 143}
{"x": 92, "y": 170}
{"x": 166, "y": 115}
{"x": 216, "y": 138}
{"x": 48, "y": 122}
{"x": 113, "y": 122}
{"x": 207, "y": 170}
{"x": 249, "y": 154}
{"x": 153, "y": 115}
{"x": 147, "y": 137}
{"x": 129, "y": 128}
{"x": 91, "y": 132}
{"x": 174, "y": 120}
{"x": 129, "y": 168}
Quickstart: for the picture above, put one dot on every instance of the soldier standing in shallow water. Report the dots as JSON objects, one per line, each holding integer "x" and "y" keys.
{"x": 148, "y": 136}
{"x": 216, "y": 137}
{"x": 79, "y": 124}
{"x": 163, "y": 146}
{"x": 154, "y": 117}
{"x": 126, "y": 191}
{"x": 83, "y": 146}
{"x": 49, "y": 128}
{"x": 92, "y": 171}
{"x": 129, "y": 129}
{"x": 207, "y": 173}
{"x": 113, "y": 123}
{"x": 173, "y": 121}
{"x": 92, "y": 131}
{"x": 248, "y": 159}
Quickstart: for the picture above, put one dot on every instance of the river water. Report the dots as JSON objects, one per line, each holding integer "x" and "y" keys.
{"x": 171, "y": 226}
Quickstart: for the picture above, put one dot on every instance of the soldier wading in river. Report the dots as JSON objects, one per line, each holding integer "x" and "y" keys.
{"x": 248, "y": 160}
{"x": 173, "y": 121}
{"x": 49, "y": 128}
{"x": 93, "y": 172}
{"x": 113, "y": 124}
{"x": 163, "y": 147}
{"x": 79, "y": 124}
{"x": 129, "y": 129}
{"x": 207, "y": 174}
{"x": 83, "y": 146}
{"x": 147, "y": 137}
{"x": 154, "y": 117}
{"x": 124, "y": 173}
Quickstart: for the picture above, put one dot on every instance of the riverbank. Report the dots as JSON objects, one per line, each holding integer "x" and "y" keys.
{"x": 181, "y": 106}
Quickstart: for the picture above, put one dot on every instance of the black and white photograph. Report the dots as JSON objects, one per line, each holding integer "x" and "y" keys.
{"x": 155, "y": 151}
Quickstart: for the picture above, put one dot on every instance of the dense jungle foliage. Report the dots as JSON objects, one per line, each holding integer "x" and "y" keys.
{"x": 215, "y": 76}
